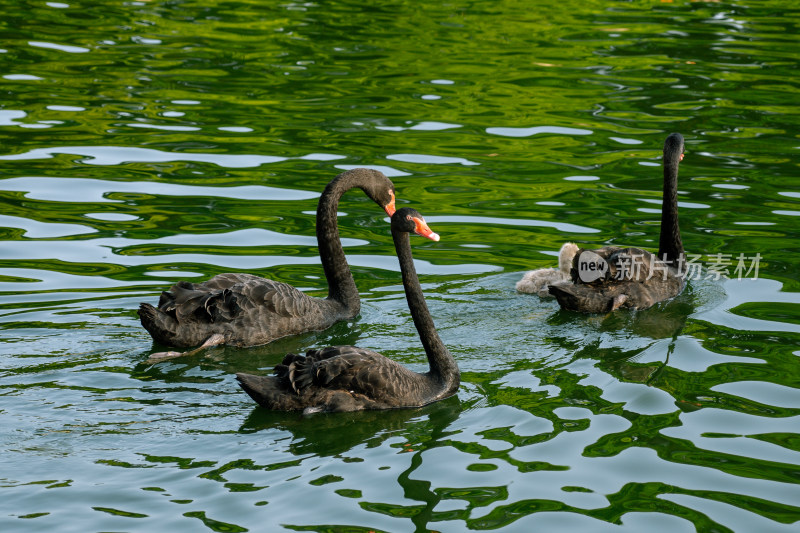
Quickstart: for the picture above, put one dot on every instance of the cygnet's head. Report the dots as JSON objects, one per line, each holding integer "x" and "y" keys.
{"x": 565, "y": 257}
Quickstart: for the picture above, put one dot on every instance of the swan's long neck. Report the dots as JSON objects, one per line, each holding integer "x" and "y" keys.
{"x": 669, "y": 242}
{"x": 341, "y": 286}
{"x": 443, "y": 366}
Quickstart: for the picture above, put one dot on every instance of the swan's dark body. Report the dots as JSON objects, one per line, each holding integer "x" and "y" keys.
{"x": 648, "y": 279}
{"x": 247, "y": 310}
{"x": 347, "y": 378}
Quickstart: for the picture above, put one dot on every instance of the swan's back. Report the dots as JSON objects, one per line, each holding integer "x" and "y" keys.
{"x": 247, "y": 310}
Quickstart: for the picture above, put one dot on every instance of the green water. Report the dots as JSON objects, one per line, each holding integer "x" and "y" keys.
{"x": 146, "y": 142}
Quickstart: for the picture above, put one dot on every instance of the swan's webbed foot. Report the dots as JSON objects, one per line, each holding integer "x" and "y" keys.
{"x": 214, "y": 340}
{"x": 162, "y": 356}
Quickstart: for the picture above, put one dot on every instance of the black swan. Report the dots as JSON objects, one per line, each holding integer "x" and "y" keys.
{"x": 612, "y": 277}
{"x": 347, "y": 378}
{"x": 246, "y": 310}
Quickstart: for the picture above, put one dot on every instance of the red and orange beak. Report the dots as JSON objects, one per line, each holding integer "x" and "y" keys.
{"x": 681, "y": 159}
{"x": 421, "y": 228}
{"x": 389, "y": 208}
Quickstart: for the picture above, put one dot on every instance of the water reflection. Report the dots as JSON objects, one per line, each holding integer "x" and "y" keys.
{"x": 118, "y": 155}
{"x": 149, "y": 140}
{"x": 338, "y": 433}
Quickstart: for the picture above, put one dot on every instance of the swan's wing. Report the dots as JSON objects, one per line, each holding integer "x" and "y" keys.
{"x": 227, "y": 296}
{"x": 353, "y": 369}
{"x": 278, "y": 298}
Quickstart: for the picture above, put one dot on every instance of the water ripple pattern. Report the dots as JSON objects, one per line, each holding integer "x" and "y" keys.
{"x": 148, "y": 142}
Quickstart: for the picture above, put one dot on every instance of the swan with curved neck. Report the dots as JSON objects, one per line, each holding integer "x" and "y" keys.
{"x": 347, "y": 378}
{"x": 612, "y": 277}
{"x": 247, "y": 310}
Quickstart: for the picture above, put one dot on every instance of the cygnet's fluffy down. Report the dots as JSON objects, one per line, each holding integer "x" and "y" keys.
{"x": 537, "y": 281}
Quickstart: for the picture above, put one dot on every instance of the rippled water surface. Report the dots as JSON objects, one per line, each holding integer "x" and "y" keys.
{"x": 146, "y": 142}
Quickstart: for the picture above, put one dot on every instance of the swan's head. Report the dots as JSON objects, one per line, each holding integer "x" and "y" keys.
{"x": 379, "y": 188}
{"x": 673, "y": 148}
{"x": 408, "y": 220}
{"x": 389, "y": 206}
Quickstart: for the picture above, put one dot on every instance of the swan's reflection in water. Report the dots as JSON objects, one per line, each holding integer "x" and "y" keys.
{"x": 329, "y": 434}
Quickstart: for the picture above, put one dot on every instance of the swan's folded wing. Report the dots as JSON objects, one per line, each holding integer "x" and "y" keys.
{"x": 356, "y": 370}
{"x": 337, "y": 365}
{"x": 226, "y": 296}
{"x": 276, "y": 297}
{"x": 186, "y": 301}
{"x": 193, "y": 302}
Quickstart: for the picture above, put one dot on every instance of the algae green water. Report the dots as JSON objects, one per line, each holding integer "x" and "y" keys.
{"x": 146, "y": 142}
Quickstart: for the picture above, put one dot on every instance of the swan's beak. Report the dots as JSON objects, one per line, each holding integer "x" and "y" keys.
{"x": 389, "y": 208}
{"x": 681, "y": 159}
{"x": 421, "y": 228}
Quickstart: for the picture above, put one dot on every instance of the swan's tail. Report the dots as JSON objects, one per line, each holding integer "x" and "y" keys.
{"x": 268, "y": 392}
{"x": 160, "y": 325}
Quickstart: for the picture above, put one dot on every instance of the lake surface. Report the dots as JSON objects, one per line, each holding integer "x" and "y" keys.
{"x": 147, "y": 142}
